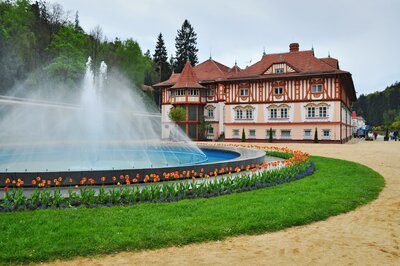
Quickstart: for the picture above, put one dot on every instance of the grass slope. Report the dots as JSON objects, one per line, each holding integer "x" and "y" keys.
{"x": 337, "y": 186}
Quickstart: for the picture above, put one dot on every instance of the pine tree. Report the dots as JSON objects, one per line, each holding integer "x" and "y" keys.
{"x": 160, "y": 57}
{"x": 316, "y": 136}
{"x": 271, "y": 137}
{"x": 185, "y": 44}
{"x": 172, "y": 63}
{"x": 77, "y": 26}
{"x": 147, "y": 54}
{"x": 243, "y": 136}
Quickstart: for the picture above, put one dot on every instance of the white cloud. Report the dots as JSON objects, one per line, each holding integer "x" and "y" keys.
{"x": 363, "y": 35}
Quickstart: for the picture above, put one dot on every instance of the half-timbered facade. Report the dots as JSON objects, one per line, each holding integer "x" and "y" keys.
{"x": 293, "y": 94}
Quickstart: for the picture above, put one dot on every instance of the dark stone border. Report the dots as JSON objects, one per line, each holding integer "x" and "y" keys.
{"x": 247, "y": 157}
{"x": 310, "y": 170}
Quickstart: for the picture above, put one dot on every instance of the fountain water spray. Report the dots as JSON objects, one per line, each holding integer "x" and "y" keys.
{"x": 107, "y": 126}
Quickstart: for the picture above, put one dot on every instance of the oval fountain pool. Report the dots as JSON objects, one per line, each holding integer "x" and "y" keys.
{"x": 210, "y": 159}
{"x": 110, "y": 158}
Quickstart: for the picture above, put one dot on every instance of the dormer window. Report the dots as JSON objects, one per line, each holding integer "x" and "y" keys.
{"x": 278, "y": 70}
{"x": 316, "y": 88}
{"x": 278, "y": 90}
{"x": 244, "y": 92}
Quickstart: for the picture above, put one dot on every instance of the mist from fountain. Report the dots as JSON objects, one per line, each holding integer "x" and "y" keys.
{"x": 109, "y": 126}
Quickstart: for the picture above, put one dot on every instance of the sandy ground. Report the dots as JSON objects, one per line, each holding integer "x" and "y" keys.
{"x": 369, "y": 235}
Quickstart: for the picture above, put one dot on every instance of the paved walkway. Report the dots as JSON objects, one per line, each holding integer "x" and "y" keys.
{"x": 369, "y": 235}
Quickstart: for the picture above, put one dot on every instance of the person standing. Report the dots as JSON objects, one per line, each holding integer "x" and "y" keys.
{"x": 396, "y": 135}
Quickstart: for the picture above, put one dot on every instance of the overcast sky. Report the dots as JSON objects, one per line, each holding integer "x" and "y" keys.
{"x": 363, "y": 35}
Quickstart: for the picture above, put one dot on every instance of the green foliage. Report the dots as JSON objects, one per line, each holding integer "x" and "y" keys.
{"x": 336, "y": 187}
{"x": 17, "y": 42}
{"x": 68, "y": 50}
{"x": 380, "y": 108}
{"x": 243, "y": 136}
{"x": 316, "y": 136}
{"x": 130, "y": 60}
{"x": 203, "y": 127}
{"x": 38, "y": 41}
{"x": 185, "y": 44}
{"x": 395, "y": 125}
{"x": 177, "y": 114}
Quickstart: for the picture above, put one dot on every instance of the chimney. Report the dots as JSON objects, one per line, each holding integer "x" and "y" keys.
{"x": 294, "y": 47}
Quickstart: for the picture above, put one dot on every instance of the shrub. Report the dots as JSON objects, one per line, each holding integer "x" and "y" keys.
{"x": 316, "y": 136}
{"x": 243, "y": 136}
{"x": 271, "y": 139}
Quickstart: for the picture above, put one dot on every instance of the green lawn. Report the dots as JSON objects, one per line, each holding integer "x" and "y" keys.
{"x": 337, "y": 186}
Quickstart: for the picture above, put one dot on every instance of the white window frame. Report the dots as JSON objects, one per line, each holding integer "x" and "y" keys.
{"x": 316, "y": 88}
{"x": 279, "y": 70}
{"x": 252, "y": 136}
{"x": 180, "y": 92}
{"x": 235, "y": 135}
{"x": 249, "y": 114}
{"x": 304, "y": 134}
{"x": 286, "y": 137}
{"x": 210, "y": 92}
{"x": 239, "y": 114}
{"x": 244, "y": 92}
{"x": 193, "y": 92}
{"x": 284, "y": 113}
{"x": 323, "y": 111}
{"x": 273, "y": 113}
{"x": 210, "y": 113}
{"x": 324, "y": 136}
{"x": 311, "y": 112}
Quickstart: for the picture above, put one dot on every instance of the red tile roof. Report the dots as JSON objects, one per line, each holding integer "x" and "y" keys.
{"x": 303, "y": 62}
{"x": 233, "y": 71}
{"x": 210, "y": 70}
{"x": 333, "y": 62}
{"x": 171, "y": 81}
{"x": 187, "y": 79}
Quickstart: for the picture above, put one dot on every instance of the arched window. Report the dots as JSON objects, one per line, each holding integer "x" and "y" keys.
{"x": 244, "y": 113}
{"x": 278, "y": 111}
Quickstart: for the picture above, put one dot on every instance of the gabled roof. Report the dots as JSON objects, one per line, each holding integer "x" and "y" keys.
{"x": 233, "y": 71}
{"x": 187, "y": 79}
{"x": 210, "y": 70}
{"x": 304, "y": 62}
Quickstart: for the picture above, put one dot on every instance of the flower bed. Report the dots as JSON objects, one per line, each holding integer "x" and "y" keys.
{"x": 265, "y": 175}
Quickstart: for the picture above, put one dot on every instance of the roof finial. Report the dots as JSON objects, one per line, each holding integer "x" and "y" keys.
{"x": 210, "y": 54}
{"x": 235, "y": 62}
{"x": 312, "y": 47}
{"x": 329, "y": 54}
{"x": 264, "y": 50}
